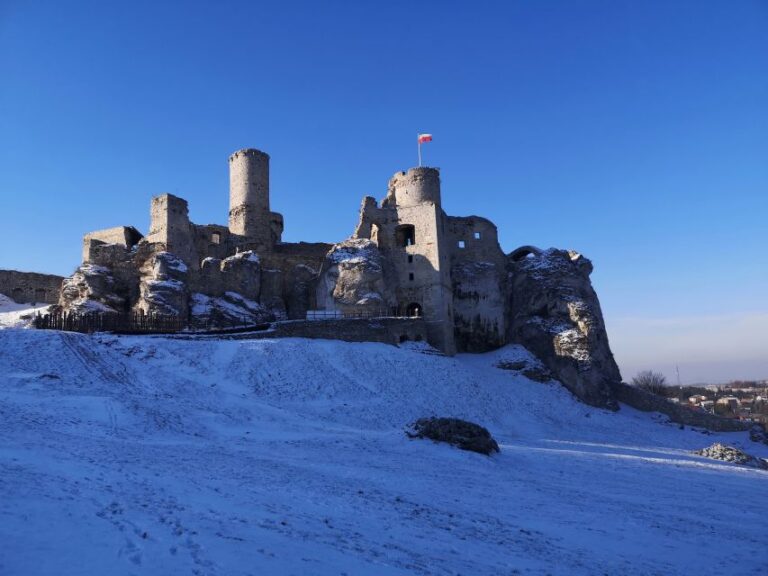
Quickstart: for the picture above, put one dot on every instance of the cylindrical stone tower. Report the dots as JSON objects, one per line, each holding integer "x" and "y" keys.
{"x": 417, "y": 186}
{"x": 249, "y": 196}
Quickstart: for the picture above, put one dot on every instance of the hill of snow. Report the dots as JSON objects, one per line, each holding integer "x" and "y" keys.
{"x": 156, "y": 456}
{"x": 13, "y": 315}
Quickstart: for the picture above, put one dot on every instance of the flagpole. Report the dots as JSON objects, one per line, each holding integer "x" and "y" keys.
{"x": 418, "y": 143}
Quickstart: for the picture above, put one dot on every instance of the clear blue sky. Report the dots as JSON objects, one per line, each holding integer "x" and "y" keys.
{"x": 634, "y": 132}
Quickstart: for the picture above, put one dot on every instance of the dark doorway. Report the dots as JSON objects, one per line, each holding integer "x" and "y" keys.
{"x": 413, "y": 309}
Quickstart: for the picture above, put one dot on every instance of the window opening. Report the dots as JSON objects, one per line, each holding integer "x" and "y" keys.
{"x": 405, "y": 235}
{"x": 462, "y": 244}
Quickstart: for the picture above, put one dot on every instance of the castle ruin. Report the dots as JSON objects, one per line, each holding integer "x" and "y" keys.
{"x": 405, "y": 258}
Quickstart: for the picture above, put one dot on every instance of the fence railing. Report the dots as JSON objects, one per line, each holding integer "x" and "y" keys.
{"x": 135, "y": 323}
{"x": 356, "y": 314}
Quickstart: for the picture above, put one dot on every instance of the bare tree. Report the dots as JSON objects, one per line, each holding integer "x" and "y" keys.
{"x": 653, "y": 382}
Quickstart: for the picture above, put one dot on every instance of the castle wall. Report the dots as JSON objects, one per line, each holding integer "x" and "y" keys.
{"x": 24, "y": 287}
{"x": 211, "y": 241}
{"x": 125, "y": 236}
{"x": 386, "y": 330}
{"x": 478, "y": 279}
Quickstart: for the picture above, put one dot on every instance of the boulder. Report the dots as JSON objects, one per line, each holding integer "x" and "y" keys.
{"x": 556, "y": 315}
{"x": 459, "y": 433}
{"x": 730, "y": 454}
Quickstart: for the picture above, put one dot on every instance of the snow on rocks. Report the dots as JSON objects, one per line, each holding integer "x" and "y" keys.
{"x": 228, "y": 310}
{"x": 352, "y": 276}
{"x": 719, "y": 451}
{"x": 90, "y": 289}
{"x": 557, "y": 315}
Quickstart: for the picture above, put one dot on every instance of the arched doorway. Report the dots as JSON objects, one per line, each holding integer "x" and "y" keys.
{"x": 414, "y": 309}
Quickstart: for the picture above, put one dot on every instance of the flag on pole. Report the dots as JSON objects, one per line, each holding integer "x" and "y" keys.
{"x": 421, "y": 138}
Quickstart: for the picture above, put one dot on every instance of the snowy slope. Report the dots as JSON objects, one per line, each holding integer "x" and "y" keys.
{"x": 13, "y": 315}
{"x": 155, "y": 456}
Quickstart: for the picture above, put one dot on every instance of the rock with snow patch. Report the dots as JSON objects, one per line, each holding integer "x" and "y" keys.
{"x": 733, "y": 455}
{"x": 226, "y": 311}
{"x": 163, "y": 286}
{"x": 459, "y": 433}
{"x": 91, "y": 288}
{"x": 353, "y": 277}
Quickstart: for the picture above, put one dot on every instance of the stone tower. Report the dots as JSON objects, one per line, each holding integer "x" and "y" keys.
{"x": 420, "y": 254}
{"x": 249, "y": 215}
{"x": 170, "y": 227}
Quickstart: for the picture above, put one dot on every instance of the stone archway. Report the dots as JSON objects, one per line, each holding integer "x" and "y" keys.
{"x": 524, "y": 252}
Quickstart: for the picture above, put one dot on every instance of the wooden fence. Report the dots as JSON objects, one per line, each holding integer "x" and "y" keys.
{"x": 135, "y": 323}
{"x": 102, "y": 322}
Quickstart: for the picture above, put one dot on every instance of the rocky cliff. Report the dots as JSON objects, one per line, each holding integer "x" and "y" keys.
{"x": 554, "y": 312}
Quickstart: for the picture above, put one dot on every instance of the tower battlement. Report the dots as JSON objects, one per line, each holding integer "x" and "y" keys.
{"x": 416, "y": 186}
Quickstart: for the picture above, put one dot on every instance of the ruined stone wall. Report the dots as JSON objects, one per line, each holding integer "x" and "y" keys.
{"x": 211, "y": 241}
{"x": 386, "y": 330}
{"x": 478, "y": 278}
{"x": 125, "y": 236}
{"x": 171, "y": 229}
{"x": 25, "y": 287}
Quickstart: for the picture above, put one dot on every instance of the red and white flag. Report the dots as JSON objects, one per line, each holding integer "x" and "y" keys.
{"x": 425, "y": 138}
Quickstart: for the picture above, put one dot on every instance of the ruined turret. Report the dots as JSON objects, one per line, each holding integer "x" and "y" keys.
{"x": 249, "y": 216}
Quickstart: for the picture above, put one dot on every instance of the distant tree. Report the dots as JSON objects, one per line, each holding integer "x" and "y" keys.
{"x": 653, "y": 382}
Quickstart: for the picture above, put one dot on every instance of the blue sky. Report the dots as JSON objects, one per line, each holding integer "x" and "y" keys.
{"x": 634, "y": 132}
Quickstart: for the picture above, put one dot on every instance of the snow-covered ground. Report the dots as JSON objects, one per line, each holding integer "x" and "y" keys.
{"x": 157, "y": 456}
{"x": 13, "y": 315}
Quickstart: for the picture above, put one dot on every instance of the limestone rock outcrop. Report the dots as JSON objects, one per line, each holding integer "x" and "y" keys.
{"x": 230, "y": 309}
{"x": 90, "y": 289}
{"x": 163, "y": 286}
{"x": 555, "y": 314}
{"x": 352, "y": 277}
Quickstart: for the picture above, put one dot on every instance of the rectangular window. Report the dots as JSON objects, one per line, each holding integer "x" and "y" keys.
{"x": 477, "y": 235}
{"x": 216, "y": 238}
{"x": 461, "y": 244}
{"x": 410, "y": 276}
{"x": 410, "y": 258}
